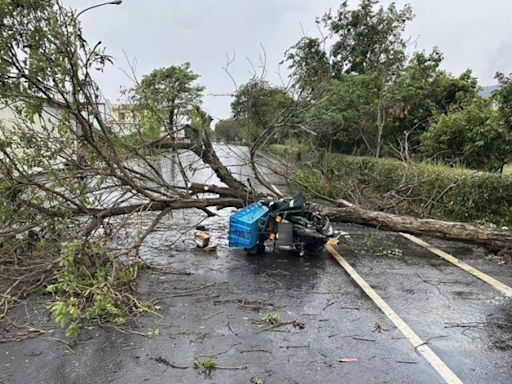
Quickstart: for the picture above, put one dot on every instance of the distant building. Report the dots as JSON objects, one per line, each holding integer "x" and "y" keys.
{"x": 122, "y": 118}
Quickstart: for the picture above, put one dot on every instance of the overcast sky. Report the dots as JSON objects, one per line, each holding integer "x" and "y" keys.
{"x": 472, "y": 34}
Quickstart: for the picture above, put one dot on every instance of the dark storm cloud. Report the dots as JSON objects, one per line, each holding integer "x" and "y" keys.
{"x": 158, "y": 33}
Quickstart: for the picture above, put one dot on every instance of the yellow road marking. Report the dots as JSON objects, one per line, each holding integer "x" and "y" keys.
{"x": 505, "y": 289}
{"x": 418, "y": 344}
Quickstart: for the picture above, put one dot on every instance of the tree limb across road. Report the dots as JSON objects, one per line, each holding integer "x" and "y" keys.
{"x": 492, "y": 238}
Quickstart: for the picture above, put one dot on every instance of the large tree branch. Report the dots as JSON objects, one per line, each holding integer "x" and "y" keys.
{"x": 492, "y": 238}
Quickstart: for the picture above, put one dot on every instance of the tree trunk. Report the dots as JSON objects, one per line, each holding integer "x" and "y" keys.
{"x": 492, "y": 238}
{"x": 207, "y": 154}
{"x": 380, "y": 128}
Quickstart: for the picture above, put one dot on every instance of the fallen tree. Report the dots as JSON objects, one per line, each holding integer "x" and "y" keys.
{"x": 493, "y": 238}
{"x": 70, "y": 177}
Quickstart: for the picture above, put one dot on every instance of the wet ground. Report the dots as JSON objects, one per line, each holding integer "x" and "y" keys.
{"x": 213, "y": 306}
{"x": 215, "y": 310}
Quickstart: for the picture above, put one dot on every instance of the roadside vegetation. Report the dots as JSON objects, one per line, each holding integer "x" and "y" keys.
{"x": 382, "y": 126}
{"x": 426, "y": 189}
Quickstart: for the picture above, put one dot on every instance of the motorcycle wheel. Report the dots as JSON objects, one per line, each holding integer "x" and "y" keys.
{"x": 309, "y": 241}
{"x": 258, "y": 249}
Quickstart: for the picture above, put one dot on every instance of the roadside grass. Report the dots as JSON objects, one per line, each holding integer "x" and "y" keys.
{"x": 507, "y": 170}
{"x": 429, "y": 190}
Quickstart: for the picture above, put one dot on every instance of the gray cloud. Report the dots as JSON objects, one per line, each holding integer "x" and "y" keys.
{"x": 471, "y": 33}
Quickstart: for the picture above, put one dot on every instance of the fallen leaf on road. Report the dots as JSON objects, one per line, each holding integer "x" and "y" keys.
{"x": 347, "y": 360}
{"x": 210, "y": 248}
{"x": 298, "y": 325}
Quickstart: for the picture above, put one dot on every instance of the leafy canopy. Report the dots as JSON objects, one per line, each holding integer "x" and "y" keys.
{"x": 474, "y": 136}
{"x": 166, "y": 94}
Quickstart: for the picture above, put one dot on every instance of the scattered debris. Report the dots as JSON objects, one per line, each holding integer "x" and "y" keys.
{"x": 205, "y": 366}
{"x": 384, "y": 251}
{"x": 164, "y": 361}
{"x": 362, "y": 338}
{"x": 294, "y": 346}
{"x": 201, "y": 239}
{"x": 298, "y": 325}
{"x": 254, "y": 351}
{"x": 272, "y": 318}
{"x": 210, "y": 248}
{"x": 255, "y": 305}
{"x": 379, "y": 328}
{"x": 208, "y": 365}
{"x": 504, "y": 257}
{"x": 201, "y": 227}
{"x": 231, "y": 329}
{"x": 213, "y": 314}
{"x": 347, "y": 360}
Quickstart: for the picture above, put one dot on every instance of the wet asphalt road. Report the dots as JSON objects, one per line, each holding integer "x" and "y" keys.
{"x": 215, "y": 311}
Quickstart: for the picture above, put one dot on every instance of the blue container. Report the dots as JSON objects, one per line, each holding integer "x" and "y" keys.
{"x": 244, "y": 225}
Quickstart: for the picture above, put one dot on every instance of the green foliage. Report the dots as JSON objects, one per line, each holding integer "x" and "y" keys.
{"x": 364, "y": 92}
{"x": 257, "y": 106}
{"x": 424, "y": 190}
{"x": 230, "y": 131}
{"x": 88, "y": 290}
{"x": 272, "y": 318}
{"x": 367, "y": 38}
{"x": 344, "y": 119}
{"x": 424, "y": 91}
{"x": 474, "y": 136}
{"x": 503, "y": 97}
{"x": 309, "y": 64}
{"x": 205, "y": 366}
{"x": 165, "y": 95}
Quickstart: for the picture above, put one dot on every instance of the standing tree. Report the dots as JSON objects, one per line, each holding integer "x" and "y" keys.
{"x": 474, "y": 136}
{"x": 310, "y": 67}
{"x": 258, "y": 106}
{"x": 423, "y": 92}
{"x": 365, "y": 41}
{"x": 165, "y": 95}
{"x": 503, "y": 97}
{"x": 229, "y": 130}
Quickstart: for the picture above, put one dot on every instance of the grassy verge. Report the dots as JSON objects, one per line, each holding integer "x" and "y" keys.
{"x": 423, "y": 190}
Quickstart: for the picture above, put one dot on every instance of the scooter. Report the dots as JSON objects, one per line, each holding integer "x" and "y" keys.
{"x": 291, "y": 224}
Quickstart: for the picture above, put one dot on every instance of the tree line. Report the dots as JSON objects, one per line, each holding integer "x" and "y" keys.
{"x": 360, "y": 90}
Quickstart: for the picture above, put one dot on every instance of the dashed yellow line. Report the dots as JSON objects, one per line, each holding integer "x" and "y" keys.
{"x": 418, "y": 344}
{"x": 498, "y": 285}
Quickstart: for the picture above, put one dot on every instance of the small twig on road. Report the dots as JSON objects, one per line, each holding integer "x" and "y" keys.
{"x": 294, "y": 346}
{"x": 231, "y": 329}
{"x": 254, "y": 351}
{"x": 164, "y": 361}
{"x": 329, "y": 304}
{"x": 213, "y": 314}
{"x": 362, "y": 338}
{"x": 232, "y": 368}
{"x": 428, "y": 341}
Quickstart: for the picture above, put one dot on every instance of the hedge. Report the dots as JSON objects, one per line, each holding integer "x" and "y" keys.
{"x": 425, "y": 190}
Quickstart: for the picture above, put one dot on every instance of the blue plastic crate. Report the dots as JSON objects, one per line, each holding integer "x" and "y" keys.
{"x": 244, "y": 225}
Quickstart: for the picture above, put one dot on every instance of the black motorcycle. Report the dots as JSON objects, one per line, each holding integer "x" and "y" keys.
{"x": 292, "y": 225}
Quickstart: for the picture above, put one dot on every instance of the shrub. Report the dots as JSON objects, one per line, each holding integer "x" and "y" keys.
{"x": 427, "y": 190}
